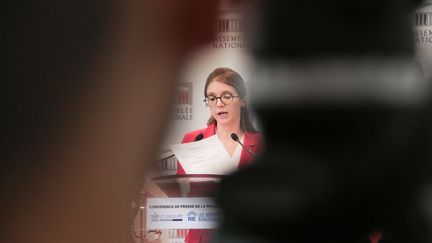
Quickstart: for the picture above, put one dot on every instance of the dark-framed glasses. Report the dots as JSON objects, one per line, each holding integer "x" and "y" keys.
{"x": 225, "y": 99}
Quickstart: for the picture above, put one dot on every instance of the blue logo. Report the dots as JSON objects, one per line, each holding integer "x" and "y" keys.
{"x": 192, "y": 216}
{"x": 208, "y": 217}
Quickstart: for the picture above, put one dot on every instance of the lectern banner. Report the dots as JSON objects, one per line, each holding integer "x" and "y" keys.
{"x": 181, "y": 213}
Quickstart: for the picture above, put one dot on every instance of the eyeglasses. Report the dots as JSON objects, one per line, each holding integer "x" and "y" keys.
{"x": 226, "y": 99}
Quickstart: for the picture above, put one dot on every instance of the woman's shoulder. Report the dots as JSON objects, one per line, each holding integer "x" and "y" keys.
{"x": 254, "y": 134}
{"x": 192, "y": 136}
{"x": 255, "y": 137}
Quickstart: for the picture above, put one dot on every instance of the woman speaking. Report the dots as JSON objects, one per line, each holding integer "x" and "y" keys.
{"x": 225, "y": 95}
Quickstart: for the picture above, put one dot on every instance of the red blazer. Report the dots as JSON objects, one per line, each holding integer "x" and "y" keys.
{"x": 252, "y": 141}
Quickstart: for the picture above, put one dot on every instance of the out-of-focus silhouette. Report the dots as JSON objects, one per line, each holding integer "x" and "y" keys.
{"x": 346, "y": 115}
{"x": 85, "y": 89}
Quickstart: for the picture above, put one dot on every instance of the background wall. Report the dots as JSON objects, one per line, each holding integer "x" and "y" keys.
{"x": 228, "y": 50}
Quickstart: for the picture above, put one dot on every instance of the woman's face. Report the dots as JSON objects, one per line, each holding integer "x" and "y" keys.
{"x": 225, "y": 114}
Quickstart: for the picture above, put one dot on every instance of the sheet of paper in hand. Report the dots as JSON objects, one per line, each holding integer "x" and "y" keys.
{"x": 207, "y": 156}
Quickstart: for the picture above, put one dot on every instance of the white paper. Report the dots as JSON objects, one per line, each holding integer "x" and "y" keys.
{"x": 207, "y": 156}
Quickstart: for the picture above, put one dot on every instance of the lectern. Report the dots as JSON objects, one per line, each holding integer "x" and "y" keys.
{"x": 171, "y": 206}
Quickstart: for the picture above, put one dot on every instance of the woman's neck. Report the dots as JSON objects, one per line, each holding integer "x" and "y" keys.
{"x": 224, "y": 132}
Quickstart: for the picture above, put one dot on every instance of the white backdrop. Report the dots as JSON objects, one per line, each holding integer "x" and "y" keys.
{"x": 228, "y": 50}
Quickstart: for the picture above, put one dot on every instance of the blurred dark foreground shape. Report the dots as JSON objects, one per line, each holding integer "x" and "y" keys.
{"x": 85, "y": 89}
{"x": 347, "y": 118}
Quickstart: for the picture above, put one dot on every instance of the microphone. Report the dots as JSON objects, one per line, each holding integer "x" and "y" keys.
{"x": 197, "y": 138}
{"x": 237, "y": 139}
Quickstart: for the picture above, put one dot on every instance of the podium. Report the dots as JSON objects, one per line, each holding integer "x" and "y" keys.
{"x": 170, "y": 206}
